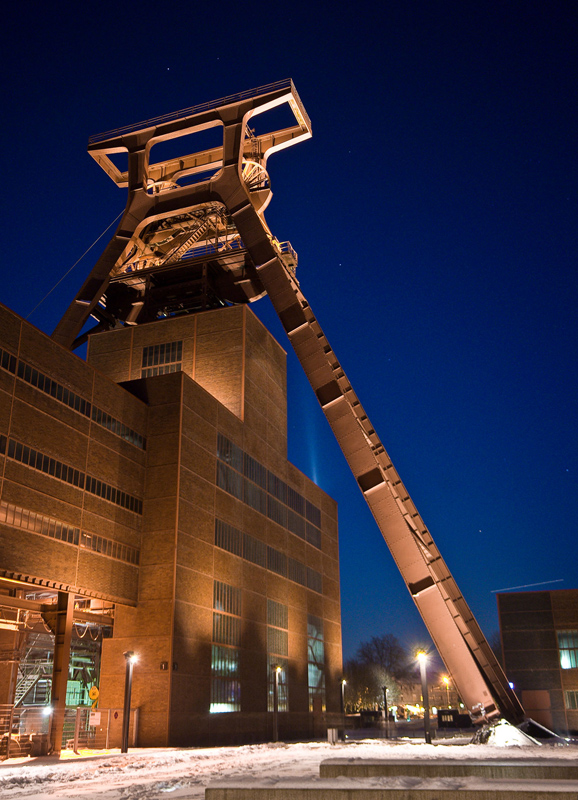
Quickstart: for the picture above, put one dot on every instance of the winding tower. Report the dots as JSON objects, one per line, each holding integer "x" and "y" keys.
{"x": 193, "y": 237}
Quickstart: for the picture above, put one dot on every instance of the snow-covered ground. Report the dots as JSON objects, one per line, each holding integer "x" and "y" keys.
{"x": 159, "y": 774}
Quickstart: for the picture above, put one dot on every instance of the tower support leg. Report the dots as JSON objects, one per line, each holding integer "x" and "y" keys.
{"x": 62, "y": 640}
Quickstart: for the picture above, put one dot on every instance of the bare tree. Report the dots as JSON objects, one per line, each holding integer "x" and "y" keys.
{"x": 388, "y": 653}
{"x": 364, "y": 686}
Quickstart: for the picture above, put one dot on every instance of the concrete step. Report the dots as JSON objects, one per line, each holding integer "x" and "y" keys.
{"x": 395, "y": 788}
{"x": 518, "y": 769}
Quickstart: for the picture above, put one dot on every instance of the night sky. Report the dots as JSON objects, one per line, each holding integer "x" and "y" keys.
{"x": 434, "y": 213}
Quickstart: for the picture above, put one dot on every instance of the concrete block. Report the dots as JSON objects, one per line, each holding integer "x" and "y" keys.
{"x": 503, "y": 768}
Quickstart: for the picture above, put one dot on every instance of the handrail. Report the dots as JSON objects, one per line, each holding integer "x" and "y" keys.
{"x": 189, "y": 112}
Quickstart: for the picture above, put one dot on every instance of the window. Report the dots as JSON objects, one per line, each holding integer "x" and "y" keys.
{"x": 571, "y": 697}
{"x": 226, "y": 598}
{"x": 276, "y": 511}
{"x": 228, "y": 538}
{"x": 255, "y": 497}
{"x": 568, "y": 647}
{"x": 277, "y": 652}
{"x": 254, "y": 550}
{"x": 313, "y": 514}
{"x": 229, "y": 480}
{"x": 297, "y": 571}
{"x": 43, "y": 463}
{"x": 314, "y": 536}
{"x": 276, "y": 561}
{"x": 254, "y": 471}
{"x": 7, "y": 361}
{"x": 314, "y": 580}
{"x": 257, "y": 552}
{"x": 225, "y": 685}
{"x": 160, "y": 359}
{"x": 63, "y": 532}
{"x": 226, "y": 629}
{"x": 265, "y": 492}
{"x": 316, "y": 664}
{"x": 228, "y": 452}
{"x": 296, "y": 524}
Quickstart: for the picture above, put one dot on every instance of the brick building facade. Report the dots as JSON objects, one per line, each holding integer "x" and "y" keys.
{"x": 539, "y": 632}
{"x": 151, "y": 481}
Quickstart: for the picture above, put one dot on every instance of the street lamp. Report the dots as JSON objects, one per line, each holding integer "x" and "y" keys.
{"x": 446, "y": 680}
{"x": 343, "y": 682}
{"x": 422, "y": 658}
{"x": 386, "y": 711}
{"x": 276, "y": 705}
{"x": 130, "y": 659}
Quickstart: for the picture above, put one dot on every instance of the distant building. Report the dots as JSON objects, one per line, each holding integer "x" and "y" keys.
{"x": 151, "y": 484}
{"x": 539, "y": 632}
{"x": 440, "y": 694}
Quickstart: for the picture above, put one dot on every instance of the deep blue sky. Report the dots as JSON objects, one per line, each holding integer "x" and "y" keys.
{"x": 434, "y": 213}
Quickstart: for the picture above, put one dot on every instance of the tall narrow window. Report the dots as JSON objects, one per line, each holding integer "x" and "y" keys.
{"x": 159, "y": 359}
{"x": 277, "y": 652}
{"x": 225, "y": 686}
{"x": 316, "y": 664}
{"x": 568, "y": 647}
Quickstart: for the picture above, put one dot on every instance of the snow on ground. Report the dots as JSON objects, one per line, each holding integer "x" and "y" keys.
{"x": 163, "y": 773}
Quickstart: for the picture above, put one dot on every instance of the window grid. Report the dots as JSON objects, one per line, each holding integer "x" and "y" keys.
{"x": 314, "y": 536}
{"x": 316, "y": 663}
{"x": 166, "y": 369}
{"x": 63, "y": 532}
{"x": 57, "y": 469}
{"x": 160, "y": 359}
{"x": 568, "y": 647}
{"x": 255, "y": 497}
{"x": 226, "y": 598}
{"x": 69, "y": 398}
{"x": 228, "y": 538}
{"x": 226, "y": 629}
{"x": 254, "y": 550}
{"x": 7, "y": 361}
{"x": 229, "y": 480}
{"x": 229, "y": 452}
{"x": 571, "y": 696}
{"x": 37, "y": 523}
{"x": 276, "y": 511}
{"x": 276, "y": 561}
{"x": 297, "y": 571}
{"x": 246, "y": 479}
{"x": 277, "y": 652}
{"x": 275, "y": 662}
{"x": 255, "y": 471}
{"x": 257, "y": 552}
{"x": 277, "y": 641}
{"x": 225, "y": 685}
{"x": 277, "y": 614}
{"x": 118, "y": 428}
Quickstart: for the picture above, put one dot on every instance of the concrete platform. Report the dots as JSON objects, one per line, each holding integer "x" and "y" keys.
{"x": 519, "y": 769}
{"x": 397, "y": 788}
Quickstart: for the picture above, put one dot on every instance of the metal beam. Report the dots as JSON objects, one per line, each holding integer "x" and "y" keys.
{"x": 62, "y": 640}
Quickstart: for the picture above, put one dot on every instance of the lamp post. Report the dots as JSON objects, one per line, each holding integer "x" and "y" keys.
{"x": 276, "y": 705}
{"x": 422, "y": 658}
{"x": 130, "y": 660}
{"x": 343, "y": 682}
{"x": 446, "y": 680}
{"x": 386, "y": 711}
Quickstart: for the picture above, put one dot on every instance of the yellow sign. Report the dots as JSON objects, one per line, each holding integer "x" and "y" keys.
{"x": 93, "y": 693}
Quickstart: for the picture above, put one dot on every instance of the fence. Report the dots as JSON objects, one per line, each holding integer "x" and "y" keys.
{"x": 25, "y": 730}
